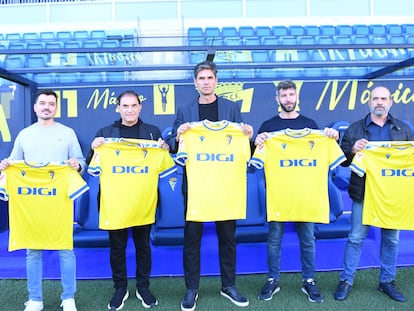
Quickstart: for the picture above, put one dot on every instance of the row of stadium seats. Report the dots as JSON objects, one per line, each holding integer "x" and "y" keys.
{"x": 77, "y": 35}
{"x": 298, "y": 30}
{"x": 293, "y": 40}
{"x": 70, "y": 44}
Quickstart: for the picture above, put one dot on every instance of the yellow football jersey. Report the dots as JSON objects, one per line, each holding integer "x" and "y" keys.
{"x": 41, "y": 204}
{"x": 216, "y": 156}
{"x": 389, "y": 171}
{"x": 129, "y": 170}
{"x": 296, "y": 165}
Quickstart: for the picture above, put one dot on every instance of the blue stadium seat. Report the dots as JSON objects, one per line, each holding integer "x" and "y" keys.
{"x": 68, "y": 77}
{"x": 410, "y": 39}
{"x": 394, "y": 29}
{"x": 54, "y": 45}
{"x": 408, "y": 29}
{"x": 280, "y": 31}
{"x": 229, "y": 31}
{"x": 396, "y": 39}
{"x": 312, "y": 30}
{"x": 82, "y": 60}
{"x": 115, "y": 76}
{"x": 343, "y": 39}
{"x": 361, "y": 39}
{"x": 245, "y": 73}
{"x": 196, "y": 41}
{"x": 360, "y": 29}
{"x": 379, "y": 39}
{"x": 344, "y": 30}
{"x": 314, "y": 72}
{"x": 14, "y": 36}
{"x": 97, "y": 34}
{"x": 271, "y": 40}
{"x": 246, "y": 31}
{"x": 195, "y": 32}
{"x": 86, "y": 232}
{"x": 235, "y": 41}
{"x": 300, "y": 56}
{"x": 127, "y": 43}
{"x": 14, "y": 45}
{"x": 255, "y": 40}
{"x": 47, "y": 36}
{"x": 15, "y": 61}
{"x": 71, "y": 44}
{"x": 225, "y": 74}
{"x": 296, "y": 30}
{"x": 263, "y": 31}
{"x": 327, "y": 30}
{"x": 64, "y": 35}
{"x": 109, "y": 43}
{"x": 326, "y": 39}
{"x": 306, "y": 39}
{"x": 341, "y": 175}
{"x": 115, "y": 34}
{"x": 260, "y": 56}
{"x": 45, "y": 78}
{"x": 30, "y": 36}
{"x": 169, "y": 225}
{"x": 93, "y": 77}
{"x": 91, "y": 44}
{"x": 130, "y": 34}
{"x": 377, "y": 29}
{"x": 271, "y": 73}
{"x": 36, "y": 61}
{"x": 197, "y": 57}
{"x": 287, "y": 40}
{"x": 80, "y": 35}
{"x": 214, "y": 41}
{"x": 212, "y": 32}
{"x": 254, "y": 228}
{"x": 35, "y": 45}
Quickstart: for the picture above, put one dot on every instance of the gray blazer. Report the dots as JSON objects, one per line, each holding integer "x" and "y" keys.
{"x": 227, "y": 110}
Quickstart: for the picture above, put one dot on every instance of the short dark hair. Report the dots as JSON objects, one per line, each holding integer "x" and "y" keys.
{"x": 127, "y": 93}
{"x": 205, "y": 65}
{"x": 285, "y": 84}
{"x": 46, "y": 92}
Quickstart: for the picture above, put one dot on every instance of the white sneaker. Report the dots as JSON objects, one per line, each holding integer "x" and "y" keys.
{"x": 68, "y": 304}
{"x": 33, "y": 305}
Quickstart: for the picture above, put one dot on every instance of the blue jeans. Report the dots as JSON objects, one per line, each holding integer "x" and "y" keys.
{"x": 353, "y": 248}
{"x": 306, "y": 236}
{"x": 34, "y": 270}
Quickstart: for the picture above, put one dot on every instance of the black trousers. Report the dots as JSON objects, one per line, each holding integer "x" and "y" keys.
{"x": 227, "y": 252}
{"x": 118, "y": 242}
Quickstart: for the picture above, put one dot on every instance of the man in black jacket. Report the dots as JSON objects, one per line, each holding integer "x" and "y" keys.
{"x": 379, "y": 125}
{"x": 207, "y": 106}
{"x": 130, "y": 126}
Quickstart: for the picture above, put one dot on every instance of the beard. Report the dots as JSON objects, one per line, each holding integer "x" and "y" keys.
{"x": 289, "y": 108}
{"x": 379, "y": 111}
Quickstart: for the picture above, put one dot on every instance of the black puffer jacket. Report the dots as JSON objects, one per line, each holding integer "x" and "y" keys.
{"x": 399, "y": 130}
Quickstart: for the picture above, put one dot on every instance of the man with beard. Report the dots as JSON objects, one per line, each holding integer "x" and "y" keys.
{"x": 289, "y": 118}
{"x": 378, "y": 125}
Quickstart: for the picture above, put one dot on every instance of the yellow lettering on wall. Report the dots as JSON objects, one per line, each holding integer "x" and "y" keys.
{"x": 402, "y": 95}
{"x": 4, "y": 127}
{"x": 96, "y": 99}
{"x": 71, "y": 97}
{"x": 335, "y": 97}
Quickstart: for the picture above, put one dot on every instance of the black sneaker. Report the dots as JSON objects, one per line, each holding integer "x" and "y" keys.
{"x": 147, "y": 298}
{"x": 311, "y": 290}
{"x": 234, "y": 296}
{"x": 118, "y": 299}
{"x": 269, "y": 289}
{"x": 391, "y": 290}
{"x": 189, "y": 301}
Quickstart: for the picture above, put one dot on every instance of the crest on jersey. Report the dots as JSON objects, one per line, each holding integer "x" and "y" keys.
{"x": 229, "y": 139}
{"x": 202, "y": 138}
{"x": 311, "y": 144}
{"x": 51, "y": 174}
{"x": 172, "y": 181}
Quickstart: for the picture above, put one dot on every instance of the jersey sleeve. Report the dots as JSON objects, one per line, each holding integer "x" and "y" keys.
{"x": 167, "y": 164}
{"x": 336, "y": 155}
{"x": 258, "y": 157}
{"x": 77, "y": 186}
{"x": 94, "y": 167}
{"x": 182, "y": 155}
{"x": 3, "y": 187}
{"x": 358, "y": 164}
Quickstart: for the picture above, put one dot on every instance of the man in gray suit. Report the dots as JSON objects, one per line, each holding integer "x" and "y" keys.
{"x": 207, "y": 106}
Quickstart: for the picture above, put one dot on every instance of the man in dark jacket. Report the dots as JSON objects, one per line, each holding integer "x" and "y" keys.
{"x": 130, "y": 126}
{"x": 207, "y": 106}
{"x": 379, "y": 125}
